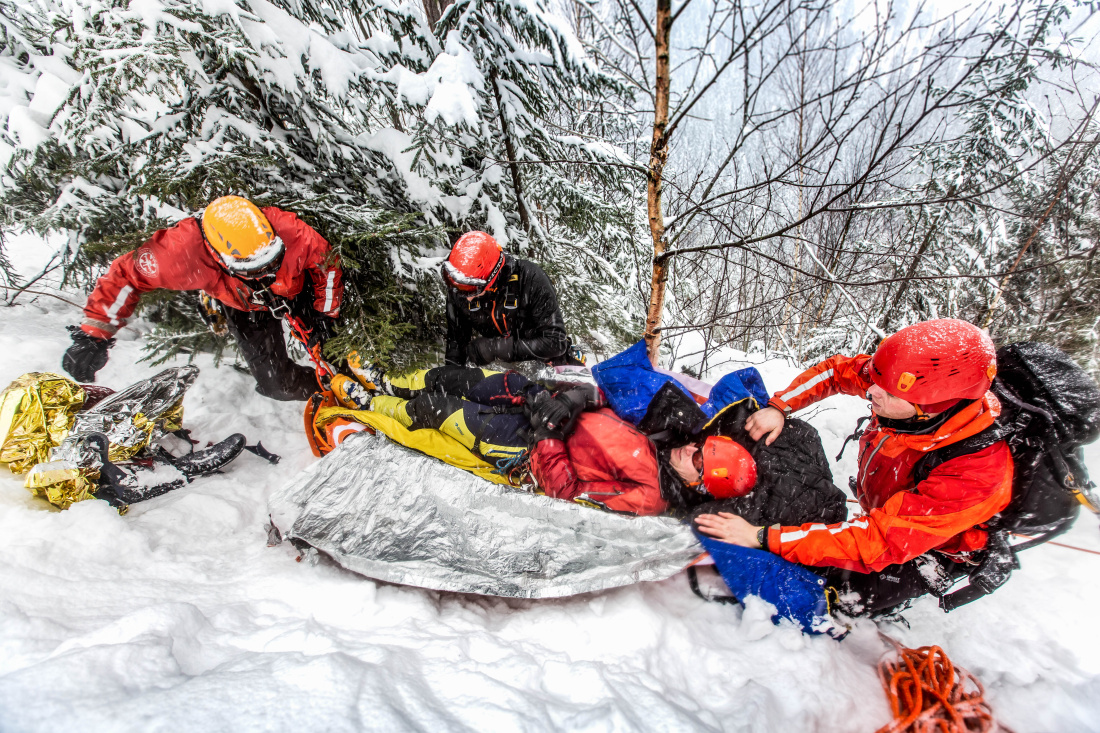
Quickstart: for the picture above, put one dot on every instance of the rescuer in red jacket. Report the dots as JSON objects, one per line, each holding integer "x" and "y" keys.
{"x": 929, "y": 388}
{"x": 261, "y": 264}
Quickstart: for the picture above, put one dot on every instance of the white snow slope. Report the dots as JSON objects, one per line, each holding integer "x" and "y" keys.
{"x": 178, "y": 617}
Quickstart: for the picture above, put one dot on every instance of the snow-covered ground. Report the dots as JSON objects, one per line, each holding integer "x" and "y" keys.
{"x": 177, "y": 616}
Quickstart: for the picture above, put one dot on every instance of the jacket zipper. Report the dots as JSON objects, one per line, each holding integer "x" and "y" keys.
{"x": 867, "y": 463}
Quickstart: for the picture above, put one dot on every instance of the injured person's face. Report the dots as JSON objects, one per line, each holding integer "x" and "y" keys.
{"x": 687, "y": 462}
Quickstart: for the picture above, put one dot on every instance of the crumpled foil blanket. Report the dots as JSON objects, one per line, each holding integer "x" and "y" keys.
{"x": 392, "y": 514}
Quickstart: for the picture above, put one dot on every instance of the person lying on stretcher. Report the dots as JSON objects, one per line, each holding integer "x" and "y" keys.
{"x": 576, "y": 448}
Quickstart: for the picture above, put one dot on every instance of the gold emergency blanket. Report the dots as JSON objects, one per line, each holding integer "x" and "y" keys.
{"x": 36, "y": 413}
{"x": 43, "y": 428}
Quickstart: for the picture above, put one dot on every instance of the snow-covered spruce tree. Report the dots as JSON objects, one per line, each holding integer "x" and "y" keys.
{"x": 121, "y": 117}
{"x": 514, "y": 133}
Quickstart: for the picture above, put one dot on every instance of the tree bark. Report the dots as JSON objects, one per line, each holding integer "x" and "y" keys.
{"x": 510, "y": 150}
{"x": 433, "y": 9}
{"x": 658, "y": 156}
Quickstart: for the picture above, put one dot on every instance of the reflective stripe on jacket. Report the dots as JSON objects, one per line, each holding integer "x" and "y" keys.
{"x": 902, "y": 520}
{"x": 178, "y": 259}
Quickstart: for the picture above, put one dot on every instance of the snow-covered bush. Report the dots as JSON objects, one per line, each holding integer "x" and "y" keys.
{"x": 118, "y": 117}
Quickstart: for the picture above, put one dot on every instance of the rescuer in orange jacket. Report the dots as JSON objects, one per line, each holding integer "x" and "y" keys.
{"x": 929, "y": 388}
{"x": 254, "y": 261}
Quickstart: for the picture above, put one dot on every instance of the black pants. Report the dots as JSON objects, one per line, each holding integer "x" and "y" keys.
{"x": 260, "y": 340}
{"x": 891, "y": 589}
{"x": 482, "y": 411}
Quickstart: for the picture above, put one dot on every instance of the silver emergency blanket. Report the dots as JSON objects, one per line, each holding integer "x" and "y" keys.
{"x": 133, "y": 418}
{"x": 393, "y": 514}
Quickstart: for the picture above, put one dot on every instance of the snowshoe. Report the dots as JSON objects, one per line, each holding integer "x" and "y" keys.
{"x": 207, "y": 461}
{"x": 122, "y": 485}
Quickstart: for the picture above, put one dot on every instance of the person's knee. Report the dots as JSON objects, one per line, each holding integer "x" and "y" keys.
{"x": 432, "y": 410}
{"x": 455, "y": 381}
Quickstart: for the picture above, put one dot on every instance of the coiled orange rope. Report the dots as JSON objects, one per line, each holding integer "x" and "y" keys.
{"x": 929, "y": 694}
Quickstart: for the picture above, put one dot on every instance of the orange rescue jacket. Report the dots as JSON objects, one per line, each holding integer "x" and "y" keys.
{"x": 901, "y": 519}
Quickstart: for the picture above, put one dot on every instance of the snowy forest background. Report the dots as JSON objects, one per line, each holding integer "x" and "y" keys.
{"x": 797, "y": 176}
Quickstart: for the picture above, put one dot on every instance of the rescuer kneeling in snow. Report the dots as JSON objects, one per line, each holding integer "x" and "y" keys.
{"x": 509, "y": 301}
{"x": 252, "y": 261}
{"x": 588, "y": 456}
{"x": 929, "y": 388}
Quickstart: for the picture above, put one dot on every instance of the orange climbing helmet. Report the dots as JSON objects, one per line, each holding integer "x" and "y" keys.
{"x": 935, "y": 364}
{"x": 241, "y": 238}
{"x": 728, "y": 469}
{"x": 474, "y": 263}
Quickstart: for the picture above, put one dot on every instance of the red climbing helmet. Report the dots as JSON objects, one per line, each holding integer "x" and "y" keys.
{"x": 935, "y": 364}
{"x": 728, "y": 469}
{"x": 474, "y": 263}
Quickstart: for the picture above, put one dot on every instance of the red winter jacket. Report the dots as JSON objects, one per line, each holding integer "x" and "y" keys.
{"x": 902, "y": 520}
{"x": 178, "y": 259}
{"x": 606, "y": 461}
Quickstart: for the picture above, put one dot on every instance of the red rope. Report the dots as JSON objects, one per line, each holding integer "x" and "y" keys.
{"x": 929, "y": 694}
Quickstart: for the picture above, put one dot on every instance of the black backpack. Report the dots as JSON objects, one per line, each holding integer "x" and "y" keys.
{"x": 1050, "y": 408}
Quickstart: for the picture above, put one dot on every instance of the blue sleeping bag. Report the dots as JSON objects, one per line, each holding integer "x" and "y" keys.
{"x": 630, "y": 383}
{"x": 796, "y": 593}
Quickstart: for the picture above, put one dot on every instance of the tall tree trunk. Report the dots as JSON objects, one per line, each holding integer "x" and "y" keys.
{"x": 510, "y": 150}
{"x": 658, "y": 156}
{"x": 434, "y": 10}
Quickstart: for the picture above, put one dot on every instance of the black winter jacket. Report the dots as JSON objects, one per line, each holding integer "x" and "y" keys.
{"x": 794, "y": 484}
{"x": 522, "y": 307}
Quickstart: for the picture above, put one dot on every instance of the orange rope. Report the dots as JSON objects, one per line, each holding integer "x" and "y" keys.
{"x": 928, "y": 694}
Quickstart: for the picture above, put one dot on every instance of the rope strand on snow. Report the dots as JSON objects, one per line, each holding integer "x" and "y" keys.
{"x": 929, "y": 694}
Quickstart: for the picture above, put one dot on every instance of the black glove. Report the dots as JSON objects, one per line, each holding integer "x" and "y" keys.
{"x": 86, "y": 356}
{"x": 482, "y": 351}
{"x": 560, "y": 413}
{"x": 536, "y": 408}
{"x": 323, "y": 329}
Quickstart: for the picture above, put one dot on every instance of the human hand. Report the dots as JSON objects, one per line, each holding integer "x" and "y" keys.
{"x": 769, "y": 422}
{"x": 483, "y": 351}
{"x": 86, "y": 356}
{"x": 730, "y": 528}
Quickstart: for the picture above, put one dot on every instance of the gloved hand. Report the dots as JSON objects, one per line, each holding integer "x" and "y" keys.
{"x": 483, "y": 351}
{"x": 560, "y": 413}
{"x": 323, "y": 329}
{"x": 536, "y": 407}
{"x": 86, "y": 356}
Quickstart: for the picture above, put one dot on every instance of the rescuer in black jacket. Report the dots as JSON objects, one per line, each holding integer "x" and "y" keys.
{"x": 509, "y": 301}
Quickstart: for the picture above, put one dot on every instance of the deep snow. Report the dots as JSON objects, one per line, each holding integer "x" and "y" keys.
{"x": 178, "y": 617}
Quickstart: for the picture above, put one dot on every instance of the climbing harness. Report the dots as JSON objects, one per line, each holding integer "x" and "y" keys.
{"x": 280, "y": 308}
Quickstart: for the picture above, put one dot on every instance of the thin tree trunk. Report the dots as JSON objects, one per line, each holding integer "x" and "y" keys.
{"x": 510, "y": 150}
{"x": 797, "y": 337}
{"x": 658, "y": 156}
{"x": 433, "y": 9}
